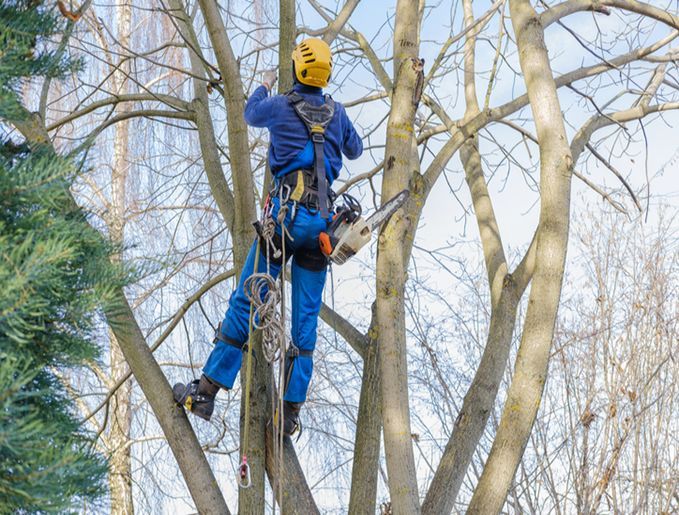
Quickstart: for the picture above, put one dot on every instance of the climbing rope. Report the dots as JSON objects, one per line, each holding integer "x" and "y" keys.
{"x": 263, "y": 291}
{"x": 265, "y": 294}
{"x": 244, "y": 478}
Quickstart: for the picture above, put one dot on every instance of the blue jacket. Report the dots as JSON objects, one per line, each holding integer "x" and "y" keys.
{"x": 291, "y": 147}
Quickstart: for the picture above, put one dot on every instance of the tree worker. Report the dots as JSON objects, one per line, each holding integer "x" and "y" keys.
{"x": 309, "y": 132}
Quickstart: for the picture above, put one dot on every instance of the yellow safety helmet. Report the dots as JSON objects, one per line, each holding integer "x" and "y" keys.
{"x": 312, "y": 60}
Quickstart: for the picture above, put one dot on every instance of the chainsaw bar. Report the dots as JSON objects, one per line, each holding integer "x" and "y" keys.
{"x": 388, "y": 208}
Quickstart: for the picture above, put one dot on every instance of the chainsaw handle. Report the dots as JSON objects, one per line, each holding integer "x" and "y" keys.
{"x": 353, "y": 206}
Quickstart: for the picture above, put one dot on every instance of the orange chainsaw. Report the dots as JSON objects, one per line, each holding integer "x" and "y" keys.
{"x": 348, "y": 231}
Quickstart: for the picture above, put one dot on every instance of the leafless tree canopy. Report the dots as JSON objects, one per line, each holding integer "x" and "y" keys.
{"x": 509, "y": 341}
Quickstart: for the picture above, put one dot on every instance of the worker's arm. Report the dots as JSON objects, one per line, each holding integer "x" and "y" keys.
{"x": 259, "y": 108}
{"x": 352, "y": 145}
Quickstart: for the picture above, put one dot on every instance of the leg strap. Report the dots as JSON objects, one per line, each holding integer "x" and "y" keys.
{"x": 295, "y": 351}
{"x": 219, "y": 337}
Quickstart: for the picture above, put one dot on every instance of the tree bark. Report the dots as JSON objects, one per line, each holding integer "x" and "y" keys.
{"x": 336, "y": 26}
{"x": 365, "y": 469}
{"x": 206, "y": 132}
{"x": 118, "y": 440}
{"x": 505, "y": 294}
{"x": 296, "y": 497}
{"x": 392, "y": 266}
{"x": 573, "y": 6}
{"x": 556, "y": 163}
{"x": 476, "y": 407}
{"x": 239, "y": 148}
{"x": 251, "y": 500}
{"x": 286, "y": 43}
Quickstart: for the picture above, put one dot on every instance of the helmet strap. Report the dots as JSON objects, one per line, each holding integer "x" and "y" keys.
{"x": 295, "y": 80}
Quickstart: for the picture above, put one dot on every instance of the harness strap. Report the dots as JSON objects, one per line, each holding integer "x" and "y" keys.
{"x": 316, "y": 119}
{"x": 302, "y": 189}
{"x": 219, "y": 337}
{"x": 318, "y": 138}
{"x": 294, "y": 352}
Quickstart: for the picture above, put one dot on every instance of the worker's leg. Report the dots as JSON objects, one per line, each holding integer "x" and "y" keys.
{"x": 224, "y": 362}
{"x": 309, "y": 269}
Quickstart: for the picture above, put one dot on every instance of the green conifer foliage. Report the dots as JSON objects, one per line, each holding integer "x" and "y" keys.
{"x": 55, "y": 274}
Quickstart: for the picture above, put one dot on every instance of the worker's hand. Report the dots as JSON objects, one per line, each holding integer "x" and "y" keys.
{"x": 269, "y": 79}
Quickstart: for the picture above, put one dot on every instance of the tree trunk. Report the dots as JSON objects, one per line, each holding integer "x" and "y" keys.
{"x": 239, "y": 148}
{"x": 206, "y": 132}
{"x": 118, "y": 439}
{"x": 365, "y": 469}
{"x": 296, "y": 496}
{"x": 505, "y": 295}
{"x": 476, "y": 408}
{"x": 286, "y": 43}
{"x": 530, "y": 372}
{"x": 392, "y": 266}
{"x": 180, "y": 436}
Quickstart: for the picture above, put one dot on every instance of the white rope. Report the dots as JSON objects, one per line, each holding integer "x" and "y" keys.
{"x": 264, "y": 293}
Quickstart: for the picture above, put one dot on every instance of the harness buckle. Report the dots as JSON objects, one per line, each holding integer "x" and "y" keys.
{"x": 317, "y": 137}
{"x": 311, "y": 202}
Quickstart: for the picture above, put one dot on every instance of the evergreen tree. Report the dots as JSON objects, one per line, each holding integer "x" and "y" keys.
{"x": 55, "y": 273}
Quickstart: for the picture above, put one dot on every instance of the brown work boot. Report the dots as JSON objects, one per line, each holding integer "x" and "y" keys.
{"x": 198, "y": 396}
{"x": 291, "y": 422}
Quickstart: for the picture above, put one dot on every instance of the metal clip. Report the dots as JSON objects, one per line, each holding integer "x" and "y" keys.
{"x": 243, "y": 475}
{"x": 293, "y": 213}
{"x": 284, "y": 193}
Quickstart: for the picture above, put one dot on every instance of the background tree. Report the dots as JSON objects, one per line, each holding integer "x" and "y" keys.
{"x": 55, "y": 275}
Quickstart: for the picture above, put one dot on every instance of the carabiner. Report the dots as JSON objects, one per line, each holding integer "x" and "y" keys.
{"x": 284, "y": 193}
{"x": 243, "y": 475}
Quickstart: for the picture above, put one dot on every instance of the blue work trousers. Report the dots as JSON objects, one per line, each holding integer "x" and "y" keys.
{"x": 309, "y": 269}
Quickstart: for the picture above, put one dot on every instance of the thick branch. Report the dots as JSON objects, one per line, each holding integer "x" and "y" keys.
{"x": 142, "y": 113}
{"x": 400, "y": 170}
{"x": 366, "y": 464}
{"x": 338, "y": 23}
{"x": 358, "y": 341}
{"x": 168, "y": 330}
{"x": 556, "y": 163}
{"x": 206, "y": 133}
{"x": 296, "y": 497}
{"x": 461, "y": 130}
{"x": 572, "y": 6}
{"x": 239, "y": 149}
{"x": 116, "y": 99}
{"x": 480, "y": 398}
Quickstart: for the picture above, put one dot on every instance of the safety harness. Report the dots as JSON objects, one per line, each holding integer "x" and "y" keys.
{"x": 316, "y": 120}
{"x": 293, "y": 188}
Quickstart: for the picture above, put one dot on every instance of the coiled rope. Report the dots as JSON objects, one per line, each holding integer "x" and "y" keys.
{"x": 266, "y": 295}
{"x": 263, "y": 291}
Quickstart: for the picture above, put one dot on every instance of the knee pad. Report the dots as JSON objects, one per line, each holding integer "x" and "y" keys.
{"x": 311, "y": 259}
